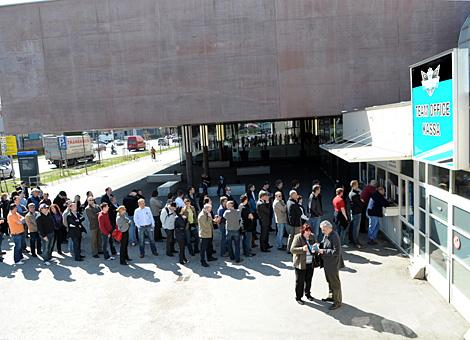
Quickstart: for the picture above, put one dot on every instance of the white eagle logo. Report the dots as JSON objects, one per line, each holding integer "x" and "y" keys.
{"x": 430, "y": 80}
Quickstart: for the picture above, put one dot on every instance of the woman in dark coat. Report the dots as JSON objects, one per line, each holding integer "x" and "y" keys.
{"x": 58, "y": 227}
{"x": 180, "y": 234}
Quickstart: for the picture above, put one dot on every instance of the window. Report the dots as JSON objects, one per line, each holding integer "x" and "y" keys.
{"x": 437, "y": 259}
{"x": 438, "y": 232}
{"x": 422, "y": 197}
{"x": 371, "y": 174}
{"x": 422, "y": 172}
{"x": 462, "y": 183}
{"x": 438, "y": 207}
{"x": 461, "y": 278}
{"x": 392, "y": 187}
{"x": 462, "y": 253}
{"x": 364, "y": 172}
{"x": 381, "y": 177}
{"x": 407, "y": 238}
{"x": 422, "y": 222}
{"x": 407, "y": 168}
{"x": 422, "y": 245}
{"x": 462, "y": 219}
{"x": 411, "y": 206}
{"x": 439, "y": 177}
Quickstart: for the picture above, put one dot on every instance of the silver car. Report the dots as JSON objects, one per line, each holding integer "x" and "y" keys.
{"x": 6, "y": 168}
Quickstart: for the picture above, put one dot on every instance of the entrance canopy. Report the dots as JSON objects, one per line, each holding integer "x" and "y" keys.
{"x": 355, "y": 152}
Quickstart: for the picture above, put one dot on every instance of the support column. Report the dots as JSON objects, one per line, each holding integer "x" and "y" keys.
{"x": 188, "y": 148}
{"x": 220, "y": 136}
{"x": 204, "y": 135}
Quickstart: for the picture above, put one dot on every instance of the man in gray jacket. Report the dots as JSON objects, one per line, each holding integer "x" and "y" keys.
{"x": 92, "y": 211}
{"x": 280, "y": 216}
{"x": 332, "y": 262}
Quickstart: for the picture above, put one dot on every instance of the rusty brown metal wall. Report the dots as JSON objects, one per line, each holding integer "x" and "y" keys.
{"x": 89, "y": 64}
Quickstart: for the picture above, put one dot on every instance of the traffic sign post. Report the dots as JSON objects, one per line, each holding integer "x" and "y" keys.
{"x": 62, "y": 142}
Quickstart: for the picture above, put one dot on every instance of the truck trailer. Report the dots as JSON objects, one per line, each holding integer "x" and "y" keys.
{"x": 79, "y": 149}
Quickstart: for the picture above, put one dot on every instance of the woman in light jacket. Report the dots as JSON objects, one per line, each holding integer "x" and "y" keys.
{"x": 303, "y": 252}
{"x": 280, "y": 216}
{"x": 123, "y": 223}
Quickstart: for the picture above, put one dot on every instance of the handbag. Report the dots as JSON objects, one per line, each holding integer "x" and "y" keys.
{"x": 117, "y": 235}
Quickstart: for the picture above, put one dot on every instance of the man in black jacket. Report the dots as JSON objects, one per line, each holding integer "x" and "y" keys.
{"x": 316, "y": 210}
{"x": 45, "y": 226}
{"x": 356, "y": 211}
{"x": 375, "y": 212}
{"x": 130, "y": 202}
{"x": 294, "y": 217}
{"x": 263, "y": 209}
{"x": 106, "y": 198}
{"x": 247, "y": 225}
{"x": 228, "y": 194}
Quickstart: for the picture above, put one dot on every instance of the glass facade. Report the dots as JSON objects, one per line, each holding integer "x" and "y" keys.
{"x": 438, "y": 232}
{"x": 462, "y": 219}
{"x": 438, "y": 177}
{"x": 462, "y": 183}
{"x": 461, "y": 278}
{"x": 407, "y": 168}
{"x": 437, "y": 259}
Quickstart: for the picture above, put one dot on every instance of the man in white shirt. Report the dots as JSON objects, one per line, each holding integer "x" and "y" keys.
{"x": 145, "y": 224}
{"x": 180, "y": 199}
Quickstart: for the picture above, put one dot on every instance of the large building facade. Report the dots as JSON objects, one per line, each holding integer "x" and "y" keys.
{"x": 72, "y": 65}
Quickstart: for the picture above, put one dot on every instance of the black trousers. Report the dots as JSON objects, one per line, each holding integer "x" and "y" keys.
{"x": 181, "y": 246}
{"x": 334, "y": 285}
{"x": 58, "y": 239}
{"x": 205, "y": 251}
{"x": 303, "y": 281}
{"x": 170, "y": 241}
{"x": 264, "y": 237}
{"x": 123, "y": 254}
{"x": 158, "y": 236}
{"x": 76, "y": 237}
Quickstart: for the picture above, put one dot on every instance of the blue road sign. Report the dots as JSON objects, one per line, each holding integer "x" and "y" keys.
{"x": 62, "y": 142}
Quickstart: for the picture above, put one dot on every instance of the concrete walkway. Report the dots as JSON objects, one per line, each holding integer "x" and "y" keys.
{"x": 155, "y": 298}
{"x": 114, "y": 177}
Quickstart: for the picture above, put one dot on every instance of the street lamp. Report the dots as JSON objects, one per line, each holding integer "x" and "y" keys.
{"x": 84, "y": 152}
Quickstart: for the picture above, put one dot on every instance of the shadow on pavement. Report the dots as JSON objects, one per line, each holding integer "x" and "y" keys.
{"x": 355, "y": 317}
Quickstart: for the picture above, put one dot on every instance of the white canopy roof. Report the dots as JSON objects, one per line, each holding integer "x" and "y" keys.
{"x": 356, "y": 152}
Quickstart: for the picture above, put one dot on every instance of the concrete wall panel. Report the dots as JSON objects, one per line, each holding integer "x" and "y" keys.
{"x": 88, "y": 64}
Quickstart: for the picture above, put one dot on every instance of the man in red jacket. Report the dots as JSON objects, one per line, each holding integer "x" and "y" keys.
{"x": 106, "y": 231}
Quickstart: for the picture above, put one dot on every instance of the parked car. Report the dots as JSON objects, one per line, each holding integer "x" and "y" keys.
{"x": 162, "y": 142}
{"x": 119, "y": 142}
{"x": 136, "y": 143}
{"x": 6, "y": 168}
{"x": 99, "y": 146}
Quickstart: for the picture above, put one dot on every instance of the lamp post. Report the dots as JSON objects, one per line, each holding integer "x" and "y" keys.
{"x": 84, "y": 153}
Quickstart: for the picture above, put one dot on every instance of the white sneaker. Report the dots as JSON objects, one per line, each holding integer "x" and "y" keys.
{"x": 112, "y": 258}
{"x": 20, "y": 262}
{"x": 47, "y": 263}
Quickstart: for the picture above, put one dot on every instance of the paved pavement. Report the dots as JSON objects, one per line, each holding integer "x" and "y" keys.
{"x": 157, "y": 298}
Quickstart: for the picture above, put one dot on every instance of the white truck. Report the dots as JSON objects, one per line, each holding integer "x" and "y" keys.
{"x": 79, "y": 149}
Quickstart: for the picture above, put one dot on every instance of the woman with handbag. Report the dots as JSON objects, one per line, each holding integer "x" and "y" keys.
{"x": 123, "y": 223}
{"x": 304, "y": 259}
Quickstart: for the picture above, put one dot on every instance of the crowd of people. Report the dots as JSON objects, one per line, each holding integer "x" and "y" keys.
{"x": 190, "y": 220}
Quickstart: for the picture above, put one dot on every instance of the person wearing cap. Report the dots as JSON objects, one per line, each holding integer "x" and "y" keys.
{"x": 106, "y": 230}
{"x": 294, "y": 217}
{"x": 45, "y": 223}
{"x": 34, "y": 198}
{"x": 264, "y": 213}
{"x": 92, "y": 210}
{"x": 34, "y": 238}
{"x": 15, "y": 222}
{"x": 123, "y": 223}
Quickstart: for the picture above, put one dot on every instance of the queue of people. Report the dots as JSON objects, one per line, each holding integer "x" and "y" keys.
{"x": 191, "y": 222}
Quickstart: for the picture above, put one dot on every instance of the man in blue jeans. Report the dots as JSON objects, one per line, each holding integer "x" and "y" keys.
{"x": 280, "y": 216}
{"x": 145, "y": 223}
{"x": 232, "y": 224}
{"x": 375, "y": 212}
